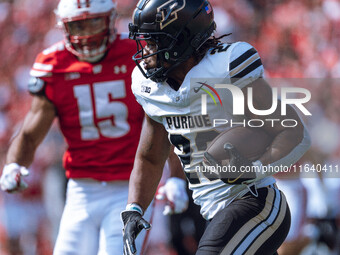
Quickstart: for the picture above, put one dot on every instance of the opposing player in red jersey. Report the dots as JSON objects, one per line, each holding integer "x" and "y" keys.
{"x": 84, "y": 80}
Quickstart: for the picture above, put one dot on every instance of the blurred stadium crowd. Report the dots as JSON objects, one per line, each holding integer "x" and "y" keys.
{"x": 295, "y": 39}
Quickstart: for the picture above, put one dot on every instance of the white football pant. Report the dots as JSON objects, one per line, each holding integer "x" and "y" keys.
{"x": 91, "y": 223}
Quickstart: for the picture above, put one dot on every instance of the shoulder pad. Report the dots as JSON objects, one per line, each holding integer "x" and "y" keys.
{"x": 36, "y": 86}
{"x": 244, "y": 59}
{"x": 245, "y": 64}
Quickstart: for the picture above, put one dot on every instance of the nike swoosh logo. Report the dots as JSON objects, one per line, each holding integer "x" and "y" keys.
{"x": 235, "y": 179}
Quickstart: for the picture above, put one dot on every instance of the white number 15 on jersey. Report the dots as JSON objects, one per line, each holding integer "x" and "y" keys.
{"x": 97, "y": 104}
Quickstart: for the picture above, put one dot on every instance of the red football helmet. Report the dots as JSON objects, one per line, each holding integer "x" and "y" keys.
{"x": 88, "y": 26}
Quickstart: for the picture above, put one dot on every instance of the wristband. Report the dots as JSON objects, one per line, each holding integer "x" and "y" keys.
{"x": 134, "y": 207}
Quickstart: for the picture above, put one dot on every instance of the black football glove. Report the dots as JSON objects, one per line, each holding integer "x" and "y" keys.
{"x": 240, "y": 169}
{"x": 133, "y": 225}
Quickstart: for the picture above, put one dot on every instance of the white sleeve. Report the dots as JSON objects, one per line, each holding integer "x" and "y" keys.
{"x": 136, "y": 87}
{"x": 245, "y": 65}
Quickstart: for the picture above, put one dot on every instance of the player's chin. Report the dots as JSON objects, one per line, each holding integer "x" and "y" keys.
{"x": 149, "y": 65}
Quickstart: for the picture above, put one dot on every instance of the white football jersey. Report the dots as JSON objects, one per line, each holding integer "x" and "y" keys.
{"x": 198, "y": 111}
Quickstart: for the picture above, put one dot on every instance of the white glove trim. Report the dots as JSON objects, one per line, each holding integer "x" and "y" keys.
{"x": 134, "y": 207}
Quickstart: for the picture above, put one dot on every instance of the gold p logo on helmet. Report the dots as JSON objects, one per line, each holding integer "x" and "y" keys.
{"x": 169, "y": 11}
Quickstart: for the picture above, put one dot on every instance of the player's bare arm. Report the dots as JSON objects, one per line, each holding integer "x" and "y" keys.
{"x": 35, "y": 127}
{"x": 152, "y": 152}
{"x": 285, "y": 139}
{"x": 21, "y": 151}
{"x": 176, "y": 169}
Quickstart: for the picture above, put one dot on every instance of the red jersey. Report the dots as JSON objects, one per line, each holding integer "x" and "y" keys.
{"x": 98, "y": 114}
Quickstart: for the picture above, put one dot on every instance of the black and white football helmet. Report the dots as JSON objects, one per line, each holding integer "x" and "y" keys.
{"x": 178, "y": 27}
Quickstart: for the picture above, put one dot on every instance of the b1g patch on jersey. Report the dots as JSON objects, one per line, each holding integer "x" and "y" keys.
{"x": 36, "y": 85}
{"x": 146, "y": 89}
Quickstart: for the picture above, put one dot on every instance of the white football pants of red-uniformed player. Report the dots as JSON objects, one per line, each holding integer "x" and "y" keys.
{"x": 91, "y": 223}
